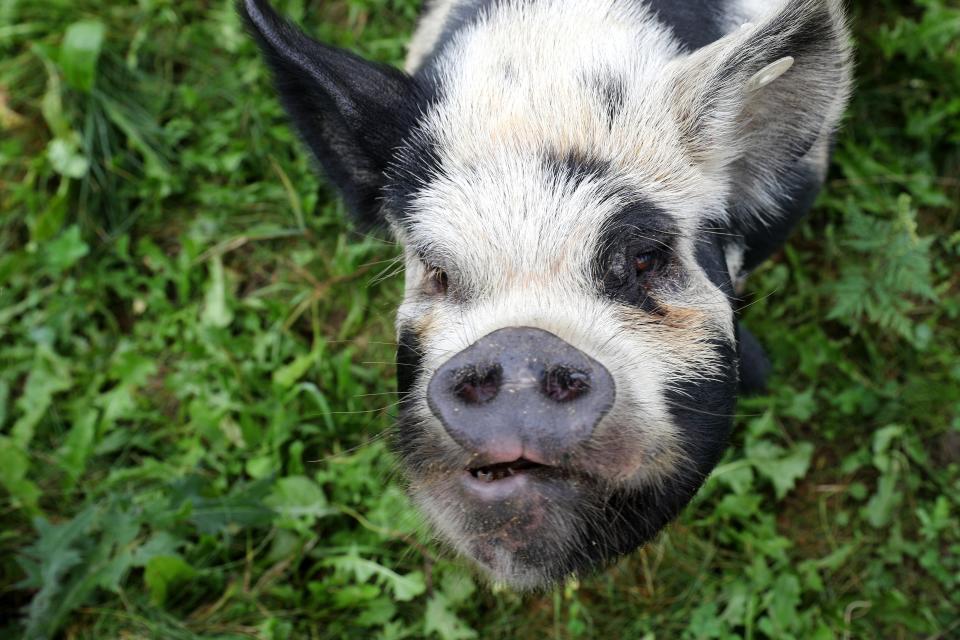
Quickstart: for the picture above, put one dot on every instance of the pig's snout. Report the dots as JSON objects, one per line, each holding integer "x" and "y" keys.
{"x": 520, "y": 393}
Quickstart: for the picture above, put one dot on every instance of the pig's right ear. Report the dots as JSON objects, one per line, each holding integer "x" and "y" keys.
{"x": 351, "y": 113}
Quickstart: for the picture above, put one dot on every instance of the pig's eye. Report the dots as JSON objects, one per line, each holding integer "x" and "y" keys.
{"x": 646, "y": 262}
{"x": 437, "y": 281}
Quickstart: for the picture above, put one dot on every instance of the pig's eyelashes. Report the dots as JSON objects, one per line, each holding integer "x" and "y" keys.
{"x": 438, "y": 282}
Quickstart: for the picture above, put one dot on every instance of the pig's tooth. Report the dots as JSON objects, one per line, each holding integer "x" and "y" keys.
{"x": 486, "y": 476}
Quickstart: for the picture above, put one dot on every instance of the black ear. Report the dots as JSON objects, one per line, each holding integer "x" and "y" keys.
{"x": 351, "y": 113}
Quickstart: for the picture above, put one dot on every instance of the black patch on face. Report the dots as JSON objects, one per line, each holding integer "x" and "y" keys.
{"x": 611, "y": 92}
{"x": 703, "y": 411}
{"x": 415, "y": 165}
{"x": 574, "y": 167}
{"x": 695, "y": 23}
{"x": 408, "y": 439}
{"x": 712, "y": 259}
{"x": 409, "y": 364}
{"x": 642, "y": 228}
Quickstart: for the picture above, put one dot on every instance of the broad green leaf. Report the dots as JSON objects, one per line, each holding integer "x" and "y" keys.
{"x": 259, "y": 467}
{"x": 216, "y": 312}
{"x": 705, "y": 622}
{"x": 286, "y": 376}
{"x": 738, "y": 475}
{"x": 51, "y": 106}
{"x": 377, "y": 612}
{"x": 161, "y": 543}
{"x": 298, "y": 497}
{"x": 65, "y": 250}
{"x": 784, "y": 601}
{"x": 880, "y": 508}
{"x": 14, "y": 464}
{"x": 242, "y": 507}
{"x": 782, "y": 468}
{"x": 163, "y": 572}
{"x": 112, "y": 556}
{"x": 439, "y": 620}
{"x": 79, "y": 53}
{"x": 49, "y": 377}
{"x": 882, "y": 441}
{"x": 404, "y": 587}
{"x": 457, "y": 586}
{"x": 78, "y": 445}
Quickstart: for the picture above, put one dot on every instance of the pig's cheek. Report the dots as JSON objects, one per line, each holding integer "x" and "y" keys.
{"x": 627, "y": 456}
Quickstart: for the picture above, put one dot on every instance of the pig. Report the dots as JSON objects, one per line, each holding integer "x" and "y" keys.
{"x": 579, "y": 188}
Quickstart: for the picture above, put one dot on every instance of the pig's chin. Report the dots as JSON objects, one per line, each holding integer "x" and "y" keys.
{"x": 515, "y": 522}
{"x": 524, "y": 525}
{"x": 531, "y": 526}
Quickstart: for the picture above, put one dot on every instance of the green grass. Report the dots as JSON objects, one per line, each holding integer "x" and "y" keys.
{"x": 196, "y": 353}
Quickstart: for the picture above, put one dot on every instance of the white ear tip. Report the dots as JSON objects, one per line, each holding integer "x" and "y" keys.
{"x": 769, "y": 73}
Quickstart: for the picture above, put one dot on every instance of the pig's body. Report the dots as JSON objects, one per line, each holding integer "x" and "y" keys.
{"x": 579, "y": 186}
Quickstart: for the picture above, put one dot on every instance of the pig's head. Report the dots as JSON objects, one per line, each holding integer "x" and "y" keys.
{"x": 575, "y": 210}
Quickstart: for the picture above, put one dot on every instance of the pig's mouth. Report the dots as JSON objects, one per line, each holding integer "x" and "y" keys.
{"x": 503, "y": 470}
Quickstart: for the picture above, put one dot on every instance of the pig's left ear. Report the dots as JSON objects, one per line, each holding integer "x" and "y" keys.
{"x": 351, "y": 113}
{"x": 752, "y": 105}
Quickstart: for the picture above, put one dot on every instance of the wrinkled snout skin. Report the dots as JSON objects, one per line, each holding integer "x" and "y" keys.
{"x": 580, "y": 188}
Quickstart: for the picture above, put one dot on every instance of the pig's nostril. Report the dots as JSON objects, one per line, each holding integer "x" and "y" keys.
{"x": 563, "y": 384}
{"x": 478, "y": 385}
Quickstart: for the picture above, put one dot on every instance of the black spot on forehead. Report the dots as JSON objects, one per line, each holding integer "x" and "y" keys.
{"x": 611, "y": 92}
{"x": 509, "y": 71}
{"x": 695, "y": 23}
{"x": 573, "y": 167}
{"x": 419, "y": 163}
